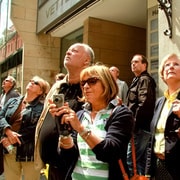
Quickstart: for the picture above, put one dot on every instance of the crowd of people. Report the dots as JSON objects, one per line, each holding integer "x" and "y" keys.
{"x": 83, "y": 126}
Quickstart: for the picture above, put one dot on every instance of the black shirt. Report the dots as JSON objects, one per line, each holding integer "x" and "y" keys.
{"x": 49, "y": 134}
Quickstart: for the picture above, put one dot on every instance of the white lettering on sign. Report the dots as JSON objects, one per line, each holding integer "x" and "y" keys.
{"x": 52, "y": 10}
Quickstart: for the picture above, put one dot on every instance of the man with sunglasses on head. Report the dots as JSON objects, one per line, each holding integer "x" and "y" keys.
{"x": 78, "y": 57}
{"x": 8, "y": 90}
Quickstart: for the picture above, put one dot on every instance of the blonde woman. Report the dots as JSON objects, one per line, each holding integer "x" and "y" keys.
{"x": 104, "y": 128}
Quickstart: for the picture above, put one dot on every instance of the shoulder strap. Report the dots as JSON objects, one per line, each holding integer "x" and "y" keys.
{"x": 133, "y": 155}
{"x": 125, "y": 176}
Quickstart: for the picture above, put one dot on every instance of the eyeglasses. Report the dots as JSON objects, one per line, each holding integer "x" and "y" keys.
{"x": 35, "y": 82}
{"x": 90, "y": 81}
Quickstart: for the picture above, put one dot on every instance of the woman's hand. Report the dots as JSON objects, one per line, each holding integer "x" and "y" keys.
{"x": 176, "y": 110}
{"x": 72, "y": 119}
{"x": 5, "y": 142}
{"x": 68, "y": 115}
{"x": 176, "y": 107}
{"x": 13, "y": 137}
{"x": 57, "y": 111}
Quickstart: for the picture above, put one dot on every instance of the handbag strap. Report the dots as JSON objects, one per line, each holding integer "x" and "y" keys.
{"x": 133, "y": 155}
{"x": 125, "y": 176}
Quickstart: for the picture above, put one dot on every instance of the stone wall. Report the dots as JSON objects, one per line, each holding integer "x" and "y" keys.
{"x": 115, "y": 43}
{"x": 41, "y": 52}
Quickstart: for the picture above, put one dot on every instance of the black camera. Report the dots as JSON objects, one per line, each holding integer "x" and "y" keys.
{"x": 63, "y": 129}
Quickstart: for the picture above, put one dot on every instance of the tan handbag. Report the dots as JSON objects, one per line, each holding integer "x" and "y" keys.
{"x": 135, "y": 176}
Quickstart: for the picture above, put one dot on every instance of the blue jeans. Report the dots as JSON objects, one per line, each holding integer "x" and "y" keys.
{"x": 141, "y": 139}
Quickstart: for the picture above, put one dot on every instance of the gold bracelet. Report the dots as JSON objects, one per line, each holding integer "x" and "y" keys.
{"x": 88, "y": 134}
{"x": 85, "y": 134}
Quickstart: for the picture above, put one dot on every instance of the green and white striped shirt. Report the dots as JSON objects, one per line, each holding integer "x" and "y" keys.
{"x": 88, "y": 167}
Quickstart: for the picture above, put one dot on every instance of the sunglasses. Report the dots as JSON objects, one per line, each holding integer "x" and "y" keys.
{"x": 7, "y": 80}
{"x": 35, "y": 82}
{"x": 90, "y": 81}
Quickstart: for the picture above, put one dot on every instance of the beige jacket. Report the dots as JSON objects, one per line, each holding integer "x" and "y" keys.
{"x": 54, "y": 90}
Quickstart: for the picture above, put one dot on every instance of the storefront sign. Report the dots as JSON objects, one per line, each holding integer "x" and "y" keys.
{"x": 54, "y": 11}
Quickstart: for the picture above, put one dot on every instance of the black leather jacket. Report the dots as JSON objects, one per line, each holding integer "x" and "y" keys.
{"x": 30, "y": 116}
{"x": 141, "y": 98}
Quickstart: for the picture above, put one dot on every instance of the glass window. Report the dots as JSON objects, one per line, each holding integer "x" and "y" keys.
{"x": 154, "y": 51}
{"x": 154, "y": 24}
{"x": 6, "y": 25}
{"x": 154, "y": 37}
{"x": 154, "y": 64}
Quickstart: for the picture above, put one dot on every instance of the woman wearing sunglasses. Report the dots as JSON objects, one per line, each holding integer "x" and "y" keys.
{"x": 18, "y": 120}
{"x": 103, "y": 128}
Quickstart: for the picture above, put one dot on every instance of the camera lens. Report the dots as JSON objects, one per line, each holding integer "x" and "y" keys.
{"x": 56, "y": 100}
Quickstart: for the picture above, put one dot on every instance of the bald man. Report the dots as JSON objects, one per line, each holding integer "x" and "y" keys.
{"x": 123, "y": 87}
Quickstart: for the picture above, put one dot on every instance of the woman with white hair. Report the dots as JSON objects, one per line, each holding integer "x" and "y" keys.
{"x": 165, "y": 125}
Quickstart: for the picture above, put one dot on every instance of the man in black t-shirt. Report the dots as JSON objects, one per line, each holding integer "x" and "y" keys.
{"x": 77, "y": 57}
